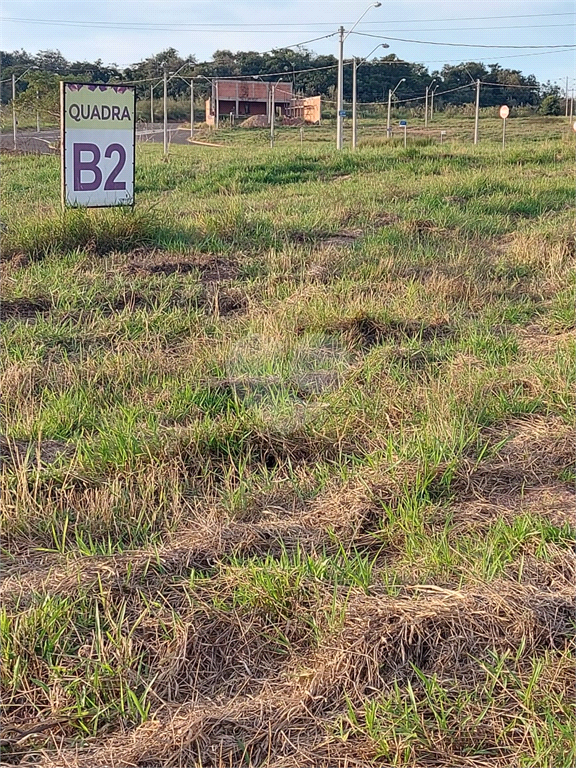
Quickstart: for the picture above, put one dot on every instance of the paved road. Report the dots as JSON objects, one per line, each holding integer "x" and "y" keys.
{"x": 45, "y": 142}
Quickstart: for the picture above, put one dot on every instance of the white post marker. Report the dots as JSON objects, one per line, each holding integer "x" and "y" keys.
{"x": 98, "y": 130}
{"x": 504, "y": 112}
{"x": 404, "y": 125}
{"x": 442, "y": 134}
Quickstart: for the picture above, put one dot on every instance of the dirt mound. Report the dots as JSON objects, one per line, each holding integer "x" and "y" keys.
{"x": 255, "y": 121}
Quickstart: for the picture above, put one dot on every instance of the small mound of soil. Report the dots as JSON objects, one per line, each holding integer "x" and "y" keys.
{"x": 23, "y": 309}
{"x": 256, "y": 121}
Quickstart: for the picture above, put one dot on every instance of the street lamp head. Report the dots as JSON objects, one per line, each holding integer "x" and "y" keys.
{"x": 377, "y": 5}
{"x": 384, "y": 45}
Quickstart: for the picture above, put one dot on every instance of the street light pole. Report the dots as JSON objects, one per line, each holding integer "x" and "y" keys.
{"x": 37, "y": 111}
{"x": 355, "y": 91}
{"x": 152, "y": 105}
{"x": 340, "y": 87}
{"x": 477, "y": 113}
{"x": 191, "y": 108}
{"x": 354, "y": 109}
{"x": 272, "y": 112}
{"x": 340, "y": 97}
{"x": 14, "y": 121}
{"x": 426, "y": 104}
{"x": 432, "y": 103}
{"x": 390, "y": 94}
{"x": 165, "y": 67}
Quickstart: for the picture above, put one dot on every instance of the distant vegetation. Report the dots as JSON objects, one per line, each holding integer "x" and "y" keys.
{"x": 39, "y": 87}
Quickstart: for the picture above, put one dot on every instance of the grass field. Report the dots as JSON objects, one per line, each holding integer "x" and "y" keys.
{"x": 287, "y": 457}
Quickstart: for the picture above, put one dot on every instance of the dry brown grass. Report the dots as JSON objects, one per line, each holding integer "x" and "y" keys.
{"x": 289, "y": 480}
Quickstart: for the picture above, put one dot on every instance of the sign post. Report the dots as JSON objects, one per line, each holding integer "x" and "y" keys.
{"x": 98, "y": 129}
{"x": 404, "y": 125}
{"x": 504, "y": 112}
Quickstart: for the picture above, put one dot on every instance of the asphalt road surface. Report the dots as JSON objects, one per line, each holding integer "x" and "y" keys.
{"x": 46, "y": 142}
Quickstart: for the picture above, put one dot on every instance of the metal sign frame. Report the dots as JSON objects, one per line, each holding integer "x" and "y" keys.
{"x": 66, "y": 90}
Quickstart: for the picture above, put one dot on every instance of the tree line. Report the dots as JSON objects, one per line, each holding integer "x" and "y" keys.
{"x": 310, "y": 74}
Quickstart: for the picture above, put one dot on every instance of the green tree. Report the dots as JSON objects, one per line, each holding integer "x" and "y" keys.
{"x": 550, "y": 105}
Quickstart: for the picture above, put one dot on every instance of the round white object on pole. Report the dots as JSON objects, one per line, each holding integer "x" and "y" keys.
{"x": 574, "y": 127}
{"x": 504, "y": 111}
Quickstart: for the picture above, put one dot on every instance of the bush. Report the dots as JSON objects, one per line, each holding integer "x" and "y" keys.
{"x": 550, "y": 105}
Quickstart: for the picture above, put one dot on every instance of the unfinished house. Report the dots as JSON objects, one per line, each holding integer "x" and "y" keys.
{"x": 244, "y": 98}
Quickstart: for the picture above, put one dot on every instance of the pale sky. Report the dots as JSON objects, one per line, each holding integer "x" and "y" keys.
{"x": 126, "y": 31}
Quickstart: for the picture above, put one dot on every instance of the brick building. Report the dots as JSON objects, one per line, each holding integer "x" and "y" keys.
{"x": 244, "y": 98}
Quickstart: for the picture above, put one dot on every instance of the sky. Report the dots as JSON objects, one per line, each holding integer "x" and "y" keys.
{"x": 125, "y": 31}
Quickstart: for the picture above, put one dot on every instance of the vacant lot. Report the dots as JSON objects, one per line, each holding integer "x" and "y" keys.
{"x": 287, "y": 458}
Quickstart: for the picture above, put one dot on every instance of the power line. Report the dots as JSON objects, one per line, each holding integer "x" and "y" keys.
{"x": 168, "y": 25}
{"x": 567, "y": 46}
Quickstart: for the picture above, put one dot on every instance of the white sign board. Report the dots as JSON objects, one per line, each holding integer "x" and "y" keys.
{"x": 504, "y": 111}
{"x": 98, "y": 138}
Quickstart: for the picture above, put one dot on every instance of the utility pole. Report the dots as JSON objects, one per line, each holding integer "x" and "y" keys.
{"x": 426, "y": 108}
{"x": 571, "y": 106}
{"x": 191, "y": 108}
{"x": 354, "y": 116}
{"x": 217, "y": 106}
{"x": 272, "y": 112}
{"x": 165, "y": 67}
{"x": 151, "y": 105}
{"x": 477, "y": 115}
{"x": 340, "y": 97}
{"x": 14, "y": 121}
{"x": 566, "y": 94}
{"x": 37, "y": 111}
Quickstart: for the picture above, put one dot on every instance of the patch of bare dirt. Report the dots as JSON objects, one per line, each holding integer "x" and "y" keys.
{"x": 380, "y": 220}
{"x": 365, "y": 331}
{"x": 23, "y": 309}
{"x": 15, "y": 452}
{"x": 343, "y": 239}
{"x": 212, "y": 269}
{"x": 222, "y": 302}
